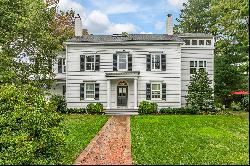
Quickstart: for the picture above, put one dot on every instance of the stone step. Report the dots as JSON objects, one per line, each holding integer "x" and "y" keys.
{"x": 121, "y": 113}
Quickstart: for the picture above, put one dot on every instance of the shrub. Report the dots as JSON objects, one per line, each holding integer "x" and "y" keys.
{"x": 245, "y": 103}
{"x": 200, "y": 94}
{"x": 235, "y": 106}
{"x": 76, "y": 111}
{"x": 60, "y": 102}
{"x": 94, "y": 108}
{"x": 182, "y": 110}
{"x": 146, "y": 107}
{"x": 30, "y": 127}
{"x": 99, "y": 108}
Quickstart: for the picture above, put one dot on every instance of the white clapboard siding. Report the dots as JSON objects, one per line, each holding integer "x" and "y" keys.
{"x": 172, "y": 75}
{"x": 187, "y": 55}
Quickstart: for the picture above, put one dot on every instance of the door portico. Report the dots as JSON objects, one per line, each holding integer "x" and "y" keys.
{"x": 122, "y": 90}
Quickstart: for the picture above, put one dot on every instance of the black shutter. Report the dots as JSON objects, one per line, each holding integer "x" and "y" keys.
{"x": 163, "y": 62}
{"x": 60, "y": 65}
{"x": 114, "y": 62}
{"x": 148, "y": 91}
{"x": 97, "y": 62}
{"x": 129, "y": 62}
{"x": 82, "y": 91}
{"x": 163, "y": 91}
{"x": 96, "y": 91}
{"x": 82, "y": 62}
{"x": 148, "y": 63}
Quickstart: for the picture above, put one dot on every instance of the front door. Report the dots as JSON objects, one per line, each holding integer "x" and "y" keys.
{"x": 122, "y": 95}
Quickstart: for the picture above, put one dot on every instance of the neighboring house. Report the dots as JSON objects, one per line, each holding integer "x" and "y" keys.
{"x": 121, "y": 71}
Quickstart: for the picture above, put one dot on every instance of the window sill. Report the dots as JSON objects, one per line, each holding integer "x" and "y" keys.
{"x": 89, "y": 99}
{"x": 156, "y": 99}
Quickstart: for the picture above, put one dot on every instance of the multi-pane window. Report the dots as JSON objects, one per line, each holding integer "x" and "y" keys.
{"x": 208, "y": 42}
{"x": 90, "y": 63}
{"x": 195, "y": 65}
{"x": 194, "y": 42}
{"x": 122, "y": 61}
{"x": 201, "y": 42}
{"x": 61, "y": 65}
{"x": 156, "y": 91}
{"x": 187, "y": 42}
{"x": 90, "y": 91}
{"x": 155, "y": 61}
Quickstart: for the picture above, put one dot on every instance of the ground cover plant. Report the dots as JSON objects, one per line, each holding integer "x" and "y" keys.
{"x": 190, "y": 139}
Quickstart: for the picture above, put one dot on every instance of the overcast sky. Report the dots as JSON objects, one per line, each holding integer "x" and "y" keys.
{"x": 116, "y": 16}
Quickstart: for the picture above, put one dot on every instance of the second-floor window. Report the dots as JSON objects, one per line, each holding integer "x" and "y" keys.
{"x": 90, "y": 63}
{"x": 155, "y": 62}
{"x": 61, "y": 65}
{"x": 197, "y": 65}
{"x": 122, "y": 62}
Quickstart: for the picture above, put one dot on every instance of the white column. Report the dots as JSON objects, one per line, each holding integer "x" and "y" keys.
{"x": 108, "y": 94}
{"x": 135, "y": 94}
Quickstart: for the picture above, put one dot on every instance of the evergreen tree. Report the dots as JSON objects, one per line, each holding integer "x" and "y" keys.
{"x": 200, "y": 93}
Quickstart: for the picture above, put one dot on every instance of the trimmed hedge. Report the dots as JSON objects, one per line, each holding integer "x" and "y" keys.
{"x": 179, "y": 111}
{"x": 146, "y": 107}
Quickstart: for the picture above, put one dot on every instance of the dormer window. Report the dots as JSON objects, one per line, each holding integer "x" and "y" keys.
{"x": 208, "y": 42}
{"x": 194, "y": 42}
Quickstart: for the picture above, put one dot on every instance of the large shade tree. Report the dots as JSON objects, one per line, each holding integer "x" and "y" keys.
{"x": 32, "y": 32}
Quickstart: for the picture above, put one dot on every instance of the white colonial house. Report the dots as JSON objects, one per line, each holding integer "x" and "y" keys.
{"x": 120, "y": 71}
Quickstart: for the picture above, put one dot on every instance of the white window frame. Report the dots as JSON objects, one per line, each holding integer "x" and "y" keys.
{"x": 85, "y": 91}
{"x": 156, "y": 90}
{"x": 92, "y": 63}
{"x": 153, "y": 56}
{"x": 118, "y": 63}
{"x": 204, "y": 65}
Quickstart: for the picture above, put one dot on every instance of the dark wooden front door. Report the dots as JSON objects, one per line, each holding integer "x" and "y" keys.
{"x": 122, "y": 95}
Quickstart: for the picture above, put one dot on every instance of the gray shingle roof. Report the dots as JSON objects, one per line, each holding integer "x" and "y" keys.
{"x": 130, "y": 37}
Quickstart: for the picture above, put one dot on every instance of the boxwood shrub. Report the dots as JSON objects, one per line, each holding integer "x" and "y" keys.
{"x": 30, "y": 131}
{"x": 94, "y": 108}
{"x": 146, "y": 107}
{"x": 182, "y": 110}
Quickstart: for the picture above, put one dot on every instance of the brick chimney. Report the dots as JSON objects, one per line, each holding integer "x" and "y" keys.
{"x": 169, "y": 25}
{"x": 78, "y": 25}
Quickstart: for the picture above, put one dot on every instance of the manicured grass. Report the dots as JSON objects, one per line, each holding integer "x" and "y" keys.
{"x": 190, "y": 139}
{"x": 81, "y": 129}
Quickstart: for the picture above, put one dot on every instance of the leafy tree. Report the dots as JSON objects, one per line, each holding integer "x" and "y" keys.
{"x": 227, "y": 20}
{"x": 32, "y": 30}
{"x": 200, "y": 93}
{"x": 30, "y": 127}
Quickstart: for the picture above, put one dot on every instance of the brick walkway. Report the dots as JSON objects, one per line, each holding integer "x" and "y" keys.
{"x": 111, "y": 145}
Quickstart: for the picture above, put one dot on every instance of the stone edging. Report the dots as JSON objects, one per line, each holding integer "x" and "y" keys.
{"x": 85, "y": 151}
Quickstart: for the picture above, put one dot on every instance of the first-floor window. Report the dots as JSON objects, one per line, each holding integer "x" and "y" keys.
{"x": 156, "y": 91}
{"x": 90, "y": 91}
{"x": 197, "y": 65}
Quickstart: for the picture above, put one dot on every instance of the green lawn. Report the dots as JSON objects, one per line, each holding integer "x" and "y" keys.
{"x": 81, "y": 129}
{"x": 190, "y": 139}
